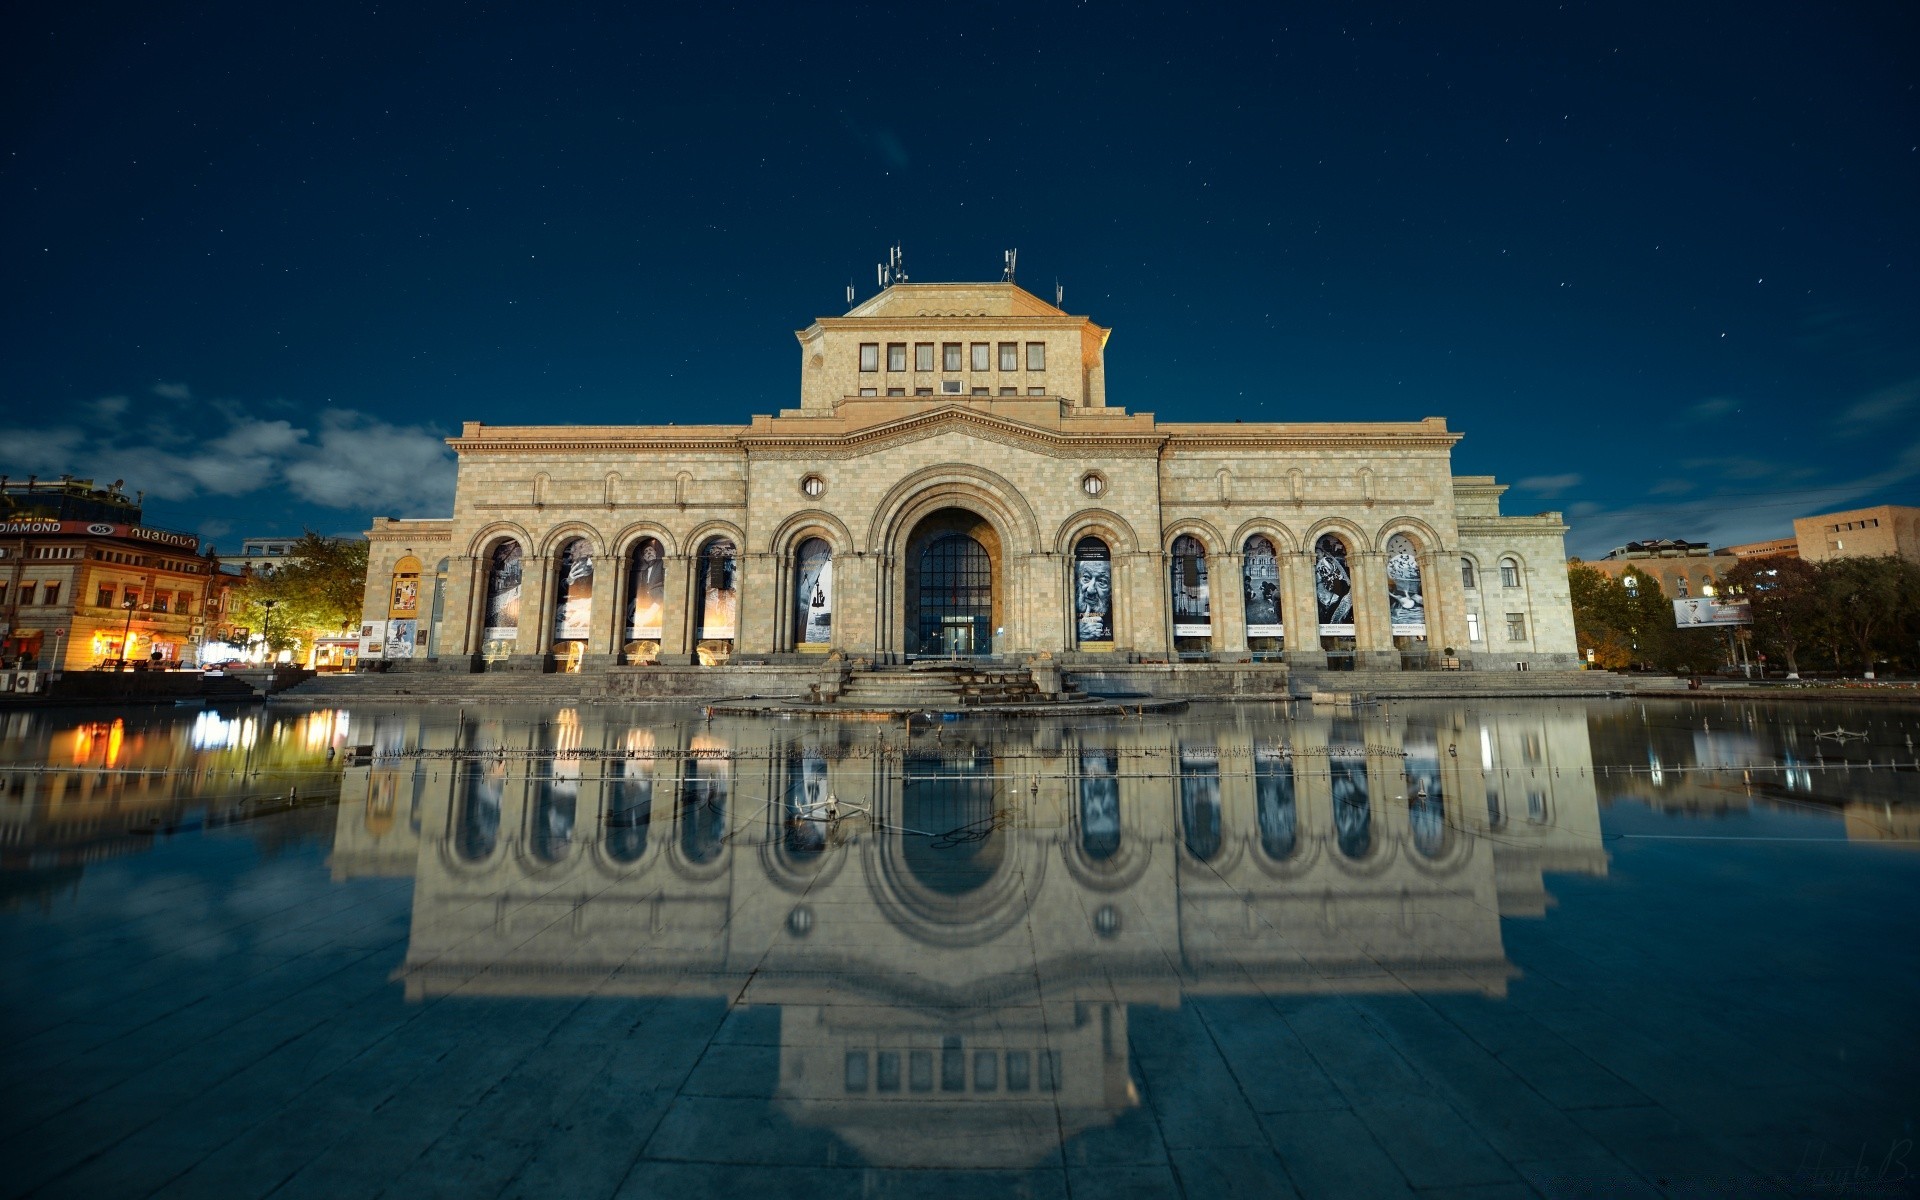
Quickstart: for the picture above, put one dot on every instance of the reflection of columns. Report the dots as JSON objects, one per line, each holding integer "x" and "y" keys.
{"x": 1226, "y": 579}
{"x": 676, "y": 623}
{"x": 1300, "y": 611}
{"x": 1372, "y": 618}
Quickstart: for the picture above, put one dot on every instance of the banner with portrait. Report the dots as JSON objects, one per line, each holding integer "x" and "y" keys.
{"x": 1260, "y": 578}
{"x": 1333, "y": 587}
{"x": 573, "y": 592}
{"x": 406, "y": 596}
{"x": 647, "y": 612}
{"x": 502, "y": 620}
{"x": 813, "y": 593}
{"x": 1092, "y": 592}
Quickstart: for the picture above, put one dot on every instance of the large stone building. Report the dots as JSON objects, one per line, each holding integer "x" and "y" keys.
{"x": 954, "y": 482}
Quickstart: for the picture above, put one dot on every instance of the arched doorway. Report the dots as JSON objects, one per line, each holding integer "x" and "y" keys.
{"x": 952, "y": 601}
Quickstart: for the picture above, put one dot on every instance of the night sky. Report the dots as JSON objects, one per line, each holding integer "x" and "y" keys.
{"x": 1657, "y": 262}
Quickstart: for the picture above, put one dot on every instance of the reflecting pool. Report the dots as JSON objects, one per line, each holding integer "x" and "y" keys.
{"x": 1446, "y": 949}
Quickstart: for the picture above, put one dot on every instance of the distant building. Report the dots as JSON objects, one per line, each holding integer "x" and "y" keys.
{"x": 1773, "y": 548}
{"x": 76, "y": 594}
{"x": 1684, "y": 569}
{"x": 1887, "y": 529}
{"x": 67, "y": 499}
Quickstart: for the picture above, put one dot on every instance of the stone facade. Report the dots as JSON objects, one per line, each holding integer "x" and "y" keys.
{"x": 955, "y": 461}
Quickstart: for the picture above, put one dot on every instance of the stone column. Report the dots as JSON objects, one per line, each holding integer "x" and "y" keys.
{"x": 536, "y": 623}
{"x": 1446, "y": 600}
{"x": 1300, "y": 610}
{"x": 676, "y": 623}
{"x": 762, "y": 586}
{"x": 856, "y": 613}
{"x": 459, "y": 635}
{"x": 603, "y": 639}
{"x": 1227, "y": 586}
{"x": 1372, "y": 618}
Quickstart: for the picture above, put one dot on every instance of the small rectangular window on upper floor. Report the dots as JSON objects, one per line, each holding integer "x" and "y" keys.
{"x": 980, "y": 391}
{"x": 869, "y": 391}
{"x": 950, "y": 387}
{"x": 1516, "y": 627}
{"x": 1039, "y": 391}
{"x": 923, "y": 356}
{"x": 1009, "y": 356}
{"x": 950, "y": 356}
{"x": 869, "y": 361}
{"x": 1036, "y": 356}
{"x": 1009, "y": 391}
{"x": 899, "y": 391}
{"x": 982, "y": 356}
{"x": 53, "y": 594}
{"x": 923, "y": 391}
{"x": 896, "y": 356}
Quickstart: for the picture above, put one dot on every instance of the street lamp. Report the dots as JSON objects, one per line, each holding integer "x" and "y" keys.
{"x": 267, "y": 635}
{"x": 130, "y": 603}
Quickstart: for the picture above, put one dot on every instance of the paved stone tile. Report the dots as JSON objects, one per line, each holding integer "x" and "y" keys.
{"x": 1430, "y": 1142}
{"x": 712, "y": 1181}
{"x": 1333, "y": 1154}
{"x": 735, "y": 1070}
{"x": 1269, "y": 1063}
{"x": 1123, "y": 1183}
{"x": 1232, "y": 1173}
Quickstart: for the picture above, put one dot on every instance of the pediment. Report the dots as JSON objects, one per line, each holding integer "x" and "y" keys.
{"x": 944, "y": 419}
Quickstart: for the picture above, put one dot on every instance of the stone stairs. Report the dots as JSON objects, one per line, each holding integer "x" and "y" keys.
{"x": 500, "y": 687}
{"x": 1307, "y": 682}
{"x": 945, "y": 686}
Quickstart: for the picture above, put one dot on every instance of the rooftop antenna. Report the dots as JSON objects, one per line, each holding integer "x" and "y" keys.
{"x": 849, "y": 293}
{"x": 1059, "y": 295}
{"x": 894, "y": 270}
{"x": 1013, "y": 260}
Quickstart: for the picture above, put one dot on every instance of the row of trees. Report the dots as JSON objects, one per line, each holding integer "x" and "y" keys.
{"x": 1850, "y": 615}
{"x": 317, "y": 591}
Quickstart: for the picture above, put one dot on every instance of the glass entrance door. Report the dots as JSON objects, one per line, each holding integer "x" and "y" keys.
{"x": 955, "y": 598}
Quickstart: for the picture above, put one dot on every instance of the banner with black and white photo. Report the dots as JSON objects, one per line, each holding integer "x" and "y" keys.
{"x": 1404, "y": 597}
{"x": 1333, "y": 586}
{"x": 1260, "y": 577}
{"x": 502, "y": 623}
{"x": 813, "y": 593}
{"x": 1092, "y": 591}
{"x": 1192, "y": 602}
{"x": 719, "y": 591}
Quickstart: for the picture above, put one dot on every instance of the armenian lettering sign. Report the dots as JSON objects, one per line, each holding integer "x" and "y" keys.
{"x": 138, "y": 533}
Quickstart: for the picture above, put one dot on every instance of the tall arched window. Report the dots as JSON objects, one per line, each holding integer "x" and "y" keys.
{"x": 1466, "y": 575}
{"x": 1352, "y": 803}
{"x": 1426, "y": 803}
{"x": 479, "y": 788}
{"x": 646, "y": 601}
{"x": 1192, "y": 603}
{"x": 703, "y": 803}
{"x": 813, "y": 595}
{"x": 500, "y": 619}
{"x": 719, "y": 598}
{"x": 1260, "y": 584}
{"x": 1333, "y": 595}
{"x": 572, "y": 601}
{"x": 437, "y": 612}
{"x": 1092, "y": 594}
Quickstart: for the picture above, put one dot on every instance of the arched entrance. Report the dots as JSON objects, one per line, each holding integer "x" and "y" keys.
{"x": 952, "y": 597}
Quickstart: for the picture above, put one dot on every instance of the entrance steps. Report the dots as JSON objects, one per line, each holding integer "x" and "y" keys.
{"x": 945, "y": 686}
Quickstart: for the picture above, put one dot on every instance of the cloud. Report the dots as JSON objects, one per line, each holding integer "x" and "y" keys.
{"x": 351, "y": 461}
{"x": 173, "y": 391}
{"x": 1670, "y": 487}
{"x": 109, "y": 407}
{"x": 1710, "y": 409}
{"x": 1875, "y": 407}
{"x": 1548, "y": 485}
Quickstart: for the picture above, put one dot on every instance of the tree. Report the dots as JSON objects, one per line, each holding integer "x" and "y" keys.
{"x": 317, "y": 591}
{"x": 1787, "y": 609}
{"x": 1867, "y": 600}
{"x": 1602, "y": 616}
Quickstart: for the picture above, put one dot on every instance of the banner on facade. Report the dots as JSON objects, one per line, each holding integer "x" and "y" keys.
{"x": 1192, "y": 601}
{"x": 1710, "y": 612}
{"x": 1261, "y": 580}
{"x": 1333, "y": 587}
{"x": 373, "y": 639}
{"x": 401, "y": 638}
{"x": 573, "y": 602}
{"x": 502, "y": 623}
{"x": 1405, "y": 600}
{"x": 1092, "y": 592}
{"x": 720, "y": 592}
{"x": 645, "y": 615}
{"x": 813, "y": 593}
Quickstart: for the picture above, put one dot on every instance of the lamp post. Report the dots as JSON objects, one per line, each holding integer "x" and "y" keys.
{"x": 126, "y": 630}
{"x": 267, "y": 636}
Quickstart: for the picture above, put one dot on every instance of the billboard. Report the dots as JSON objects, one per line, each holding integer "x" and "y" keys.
{"x": 1711, "y": 612}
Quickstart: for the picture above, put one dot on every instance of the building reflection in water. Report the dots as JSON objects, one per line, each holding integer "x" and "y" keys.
{"x": 954, "y": 954}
